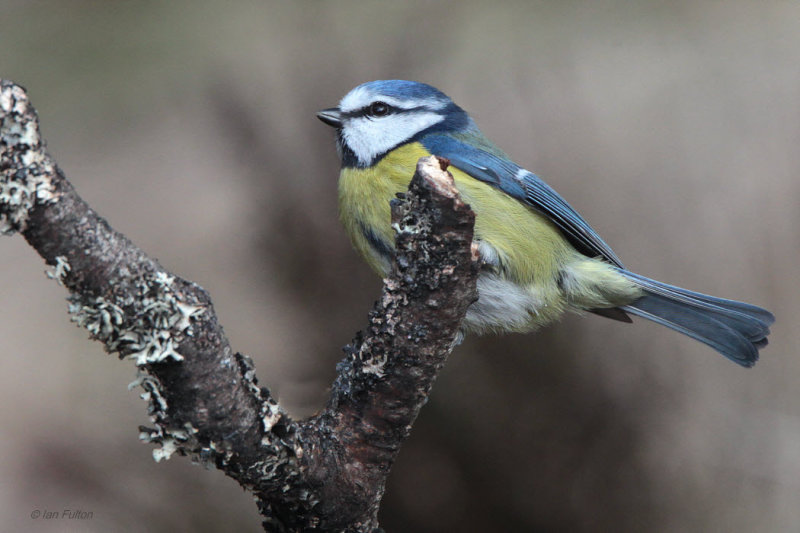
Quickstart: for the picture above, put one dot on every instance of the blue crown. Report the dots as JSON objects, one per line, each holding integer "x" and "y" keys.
{"x": 404, "y": 89}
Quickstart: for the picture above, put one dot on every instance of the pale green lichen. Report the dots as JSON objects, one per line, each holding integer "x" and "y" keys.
{"x": 146, "y": 326}
{"x": 271, "y": 413}
{"x": 170, "y": 440}
{"x": 152, "y": 392}
{"x": 60, "y": 270}
{"x": 168, "y": 447}
{"x": 374, "y": 366}
{"x": 102, "y": 318}
{"x": 26, "y": 180}
{"x": 410, "y": 226}
{"x": 147, "y": 331}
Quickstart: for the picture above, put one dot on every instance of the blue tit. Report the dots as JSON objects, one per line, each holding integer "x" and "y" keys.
{"x": 540, "y": 256}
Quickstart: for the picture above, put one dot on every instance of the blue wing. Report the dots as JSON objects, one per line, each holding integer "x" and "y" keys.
{"x": 496, "y": 170}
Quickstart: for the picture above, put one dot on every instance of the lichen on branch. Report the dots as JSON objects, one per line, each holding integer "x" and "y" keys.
{"x": 325, "y": 473}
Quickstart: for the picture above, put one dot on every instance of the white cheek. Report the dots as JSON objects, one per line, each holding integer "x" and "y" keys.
{"x": 369, "y": 137}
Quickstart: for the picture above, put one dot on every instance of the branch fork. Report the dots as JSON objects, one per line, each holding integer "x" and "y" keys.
{"x": 324, "y": 473}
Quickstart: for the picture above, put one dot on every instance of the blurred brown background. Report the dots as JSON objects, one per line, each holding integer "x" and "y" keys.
{"x": 674, "y": 127}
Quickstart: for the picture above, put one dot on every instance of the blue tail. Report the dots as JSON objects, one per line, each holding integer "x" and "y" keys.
{"x": 737, "y": 330}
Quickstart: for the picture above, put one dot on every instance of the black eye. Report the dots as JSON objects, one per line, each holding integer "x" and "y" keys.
{"x": 378, "y": 109}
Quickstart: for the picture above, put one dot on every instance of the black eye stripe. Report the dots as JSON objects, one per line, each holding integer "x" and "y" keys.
{"x": 364, "y": 111}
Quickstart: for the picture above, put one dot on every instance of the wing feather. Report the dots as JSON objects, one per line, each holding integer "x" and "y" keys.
{"x": 525, "y": 186}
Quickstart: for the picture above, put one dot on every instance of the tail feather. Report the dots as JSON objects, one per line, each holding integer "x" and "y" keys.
{"x": 679, "y": 293}
{"x": 737, "y": 330}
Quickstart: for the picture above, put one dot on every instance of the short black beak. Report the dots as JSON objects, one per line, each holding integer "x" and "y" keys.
{"x": 331, "y": 116}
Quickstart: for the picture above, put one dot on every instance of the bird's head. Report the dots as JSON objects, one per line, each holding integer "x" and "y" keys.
{"x": 378, "y": 116}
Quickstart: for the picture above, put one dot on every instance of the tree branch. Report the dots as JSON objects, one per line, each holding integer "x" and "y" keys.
{"x": 325, "y": 473}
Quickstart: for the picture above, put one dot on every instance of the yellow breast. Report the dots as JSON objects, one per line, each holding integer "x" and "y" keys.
{"x": 528, "y": 247}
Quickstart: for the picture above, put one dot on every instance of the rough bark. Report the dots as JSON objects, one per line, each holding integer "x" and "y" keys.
{"x": 325, "y": 473}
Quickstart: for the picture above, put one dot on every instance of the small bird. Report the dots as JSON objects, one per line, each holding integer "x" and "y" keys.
{"x": 540, "y": 257}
